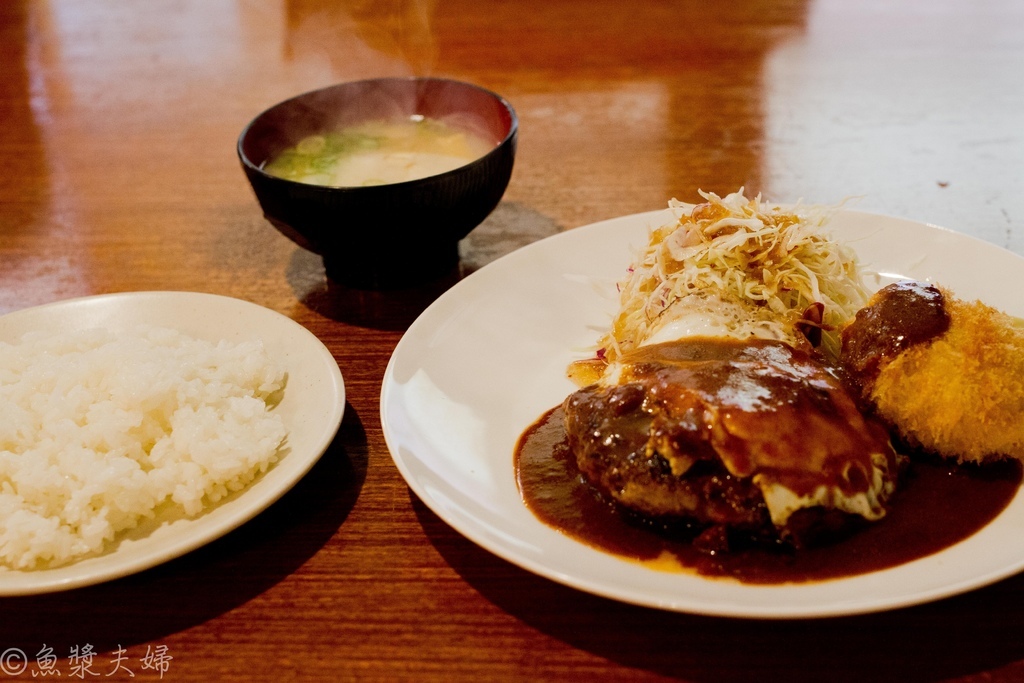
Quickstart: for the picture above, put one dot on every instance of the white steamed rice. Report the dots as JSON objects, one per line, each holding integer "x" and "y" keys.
{"x": 98, "y": 430}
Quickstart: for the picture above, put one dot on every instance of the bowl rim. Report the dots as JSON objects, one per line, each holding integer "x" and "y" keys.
{"x": 512, "y": 133}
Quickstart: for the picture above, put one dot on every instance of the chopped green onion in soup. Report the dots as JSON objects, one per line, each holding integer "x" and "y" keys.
{"x": 379, "y": 153}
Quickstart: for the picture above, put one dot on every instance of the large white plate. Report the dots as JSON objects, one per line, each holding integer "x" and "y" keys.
{"x": 312, "y": 408}
{"x": 489, "y": 356}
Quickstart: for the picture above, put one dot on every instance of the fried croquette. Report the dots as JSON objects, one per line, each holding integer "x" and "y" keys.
{"x": 946, "y": 374}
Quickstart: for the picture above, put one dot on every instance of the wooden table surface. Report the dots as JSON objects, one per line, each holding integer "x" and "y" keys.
{"x": 118, "y": 124}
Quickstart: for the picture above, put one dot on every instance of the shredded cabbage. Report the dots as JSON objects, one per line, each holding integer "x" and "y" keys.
{"x": 757, "y": 269}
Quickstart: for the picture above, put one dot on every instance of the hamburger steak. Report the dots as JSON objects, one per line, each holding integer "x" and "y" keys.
{"x": 748, "y": 440}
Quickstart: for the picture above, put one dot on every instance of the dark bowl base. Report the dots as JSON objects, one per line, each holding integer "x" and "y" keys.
{"x": 400, "y": 269}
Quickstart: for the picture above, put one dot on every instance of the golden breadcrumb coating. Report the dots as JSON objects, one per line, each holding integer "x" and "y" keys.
{"x": 962, "y": 394}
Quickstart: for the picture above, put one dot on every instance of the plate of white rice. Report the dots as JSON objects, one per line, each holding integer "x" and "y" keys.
{"x": 135, "y": 427}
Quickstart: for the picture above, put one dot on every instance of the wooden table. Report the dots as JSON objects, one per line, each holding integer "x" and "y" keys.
{"x": 118, "y": 125}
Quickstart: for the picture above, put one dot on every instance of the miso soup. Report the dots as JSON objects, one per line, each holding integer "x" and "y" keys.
{"x": 379, "y": 153}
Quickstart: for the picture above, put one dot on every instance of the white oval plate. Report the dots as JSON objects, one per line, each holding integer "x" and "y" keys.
{"x": 488, "y": 357}
{"x": 312, "y": 408}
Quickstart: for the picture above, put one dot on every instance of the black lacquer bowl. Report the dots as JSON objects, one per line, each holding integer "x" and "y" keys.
{"x": 383, "y": 236}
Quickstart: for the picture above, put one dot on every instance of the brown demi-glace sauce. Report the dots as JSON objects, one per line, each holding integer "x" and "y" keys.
{"x": 899, "y": 316}
{"x": 938, "y": 505}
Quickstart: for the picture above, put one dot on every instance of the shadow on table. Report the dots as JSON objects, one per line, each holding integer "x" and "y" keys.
{"x": 508, "y": 228}
{"x": 208, "y": 581}
{"x": 955, "y": 637}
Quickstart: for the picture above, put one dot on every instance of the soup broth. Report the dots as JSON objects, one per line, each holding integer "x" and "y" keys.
{"x": 379, "y": 153}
